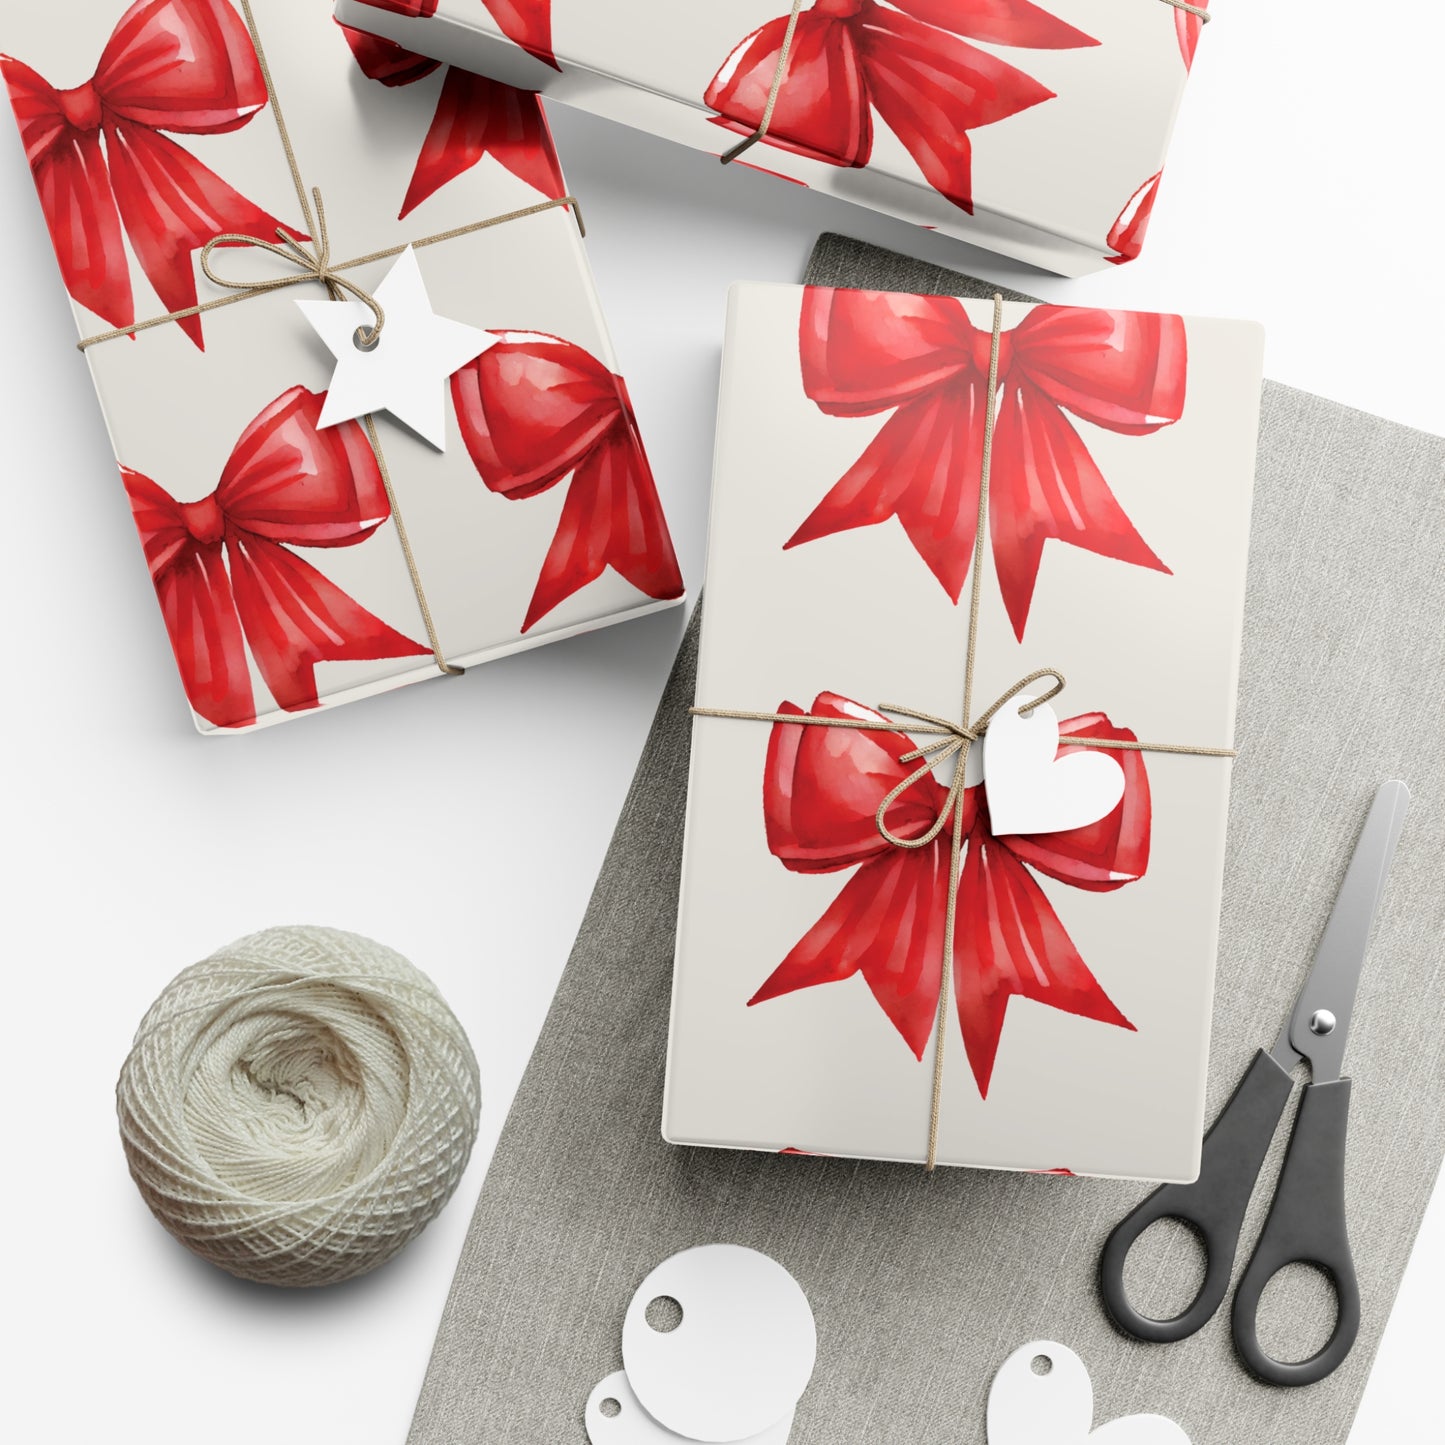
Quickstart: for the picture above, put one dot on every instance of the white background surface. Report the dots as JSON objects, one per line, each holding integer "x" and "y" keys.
{"x": 463, "y": 821}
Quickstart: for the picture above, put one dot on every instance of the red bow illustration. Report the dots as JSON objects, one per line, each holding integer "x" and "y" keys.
{"x": 287, "y": 484}
{"x": 474, "y": 117}
{"x": 852, "y": 57}
{"x": 821, "y": 789}
{"x": 534, "y": 408}
{"x": 920, "y": 357}
{"x": 1126, "y": 238}
{"x": 185, "y": 66}
{"x": 527, "y": 23}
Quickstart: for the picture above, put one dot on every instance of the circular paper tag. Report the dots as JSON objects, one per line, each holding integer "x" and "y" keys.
{"x": 739, "y": 1357}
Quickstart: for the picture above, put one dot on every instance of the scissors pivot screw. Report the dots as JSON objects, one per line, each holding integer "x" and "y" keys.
{"x": 1322, "y": 1022}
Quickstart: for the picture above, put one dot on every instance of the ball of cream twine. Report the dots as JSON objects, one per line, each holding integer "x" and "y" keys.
{"x": 299, "y": 1106}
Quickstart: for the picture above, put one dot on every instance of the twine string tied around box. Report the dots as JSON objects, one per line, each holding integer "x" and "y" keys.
{"x": 314, "y": 264}
{"x": 953, "y": 742}
{"x": 781, "y": 69}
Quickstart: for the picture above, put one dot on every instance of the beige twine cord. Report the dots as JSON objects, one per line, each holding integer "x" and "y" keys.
{"x": 954, "y": 741}
{"x": 780, "y": 70}
{"x": 299, "y": 1106}
{"x": 315, "y": 265}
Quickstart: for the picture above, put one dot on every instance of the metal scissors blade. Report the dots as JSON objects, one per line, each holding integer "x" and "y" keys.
{"x": 1319, "y": 1026}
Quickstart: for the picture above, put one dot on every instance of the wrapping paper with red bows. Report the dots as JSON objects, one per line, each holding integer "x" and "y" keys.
{"x": 846, "y": 499}
{"x": 271, "y": 542}
{"x": 1037, "y": 128}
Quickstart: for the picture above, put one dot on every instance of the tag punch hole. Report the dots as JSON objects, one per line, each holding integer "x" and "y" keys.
{"x": 663, "y": 1314}
{"x": 1041, "y": 1364}
{"x": 366, "y": 340}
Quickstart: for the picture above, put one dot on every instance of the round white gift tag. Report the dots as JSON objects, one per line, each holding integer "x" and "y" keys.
{"x": 615, "y": 1417}
{"x": 739, "y": 1357}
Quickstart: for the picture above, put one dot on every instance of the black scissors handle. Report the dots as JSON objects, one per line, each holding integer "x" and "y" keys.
{"x": 1306, "y": 1225}
{"x": 1214, "y": 1205}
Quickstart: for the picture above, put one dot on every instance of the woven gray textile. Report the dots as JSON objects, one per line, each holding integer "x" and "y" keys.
{"x": 923, "y": 1285}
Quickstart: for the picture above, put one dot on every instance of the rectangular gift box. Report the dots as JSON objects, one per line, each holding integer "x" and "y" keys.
{"x": 846, "y": 498}
{"x": 1039, "y": 131}
{"x": 275, "y": 548}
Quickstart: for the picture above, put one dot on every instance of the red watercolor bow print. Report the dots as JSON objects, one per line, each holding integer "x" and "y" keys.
{"x": 527, "y": 23}
{"x": 287, "y": 484}
{"x": 534, "y": 408}
{"x": 475, "y": 117}
{"x": 906, "y": 61}
{"x": 920, "y": 357}
{"x": 821, "y": 791}
{"x": 103, "y": 165}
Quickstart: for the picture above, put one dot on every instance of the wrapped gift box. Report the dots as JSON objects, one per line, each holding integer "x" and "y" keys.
{"x": 841, "y": 586}
{"x": 275, "y": 549}
{"x": 1036, "y": 130}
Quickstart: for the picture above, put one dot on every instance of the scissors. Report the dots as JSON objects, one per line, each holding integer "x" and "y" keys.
{"x": 1306, "y": 1221}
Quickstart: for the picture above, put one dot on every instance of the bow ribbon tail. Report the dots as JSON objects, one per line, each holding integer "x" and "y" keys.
{"x": 527, "y": 23}
{"x": 932, "y": 89}
{"x": 884, "y": 923}
{"x": 73, "y": 184}
{"x": 172, "y": 206}
{"x": 476, "y": 117}
{"x": 1046, "y": 484}
{"x": 999, "y": 22}
{"x": 1013, "y": 944}
{"x": 1189, "y": 23}
{"x": 612, "y": 518}
{"x": 294, "y": 617}
{"x": 197, "y": 605}
{"x": 922, "y": 468}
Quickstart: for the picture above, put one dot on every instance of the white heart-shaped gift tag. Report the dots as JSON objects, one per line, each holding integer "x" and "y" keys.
{"x": 1031, "y": 791}
{"x": 1042, "y": 1396}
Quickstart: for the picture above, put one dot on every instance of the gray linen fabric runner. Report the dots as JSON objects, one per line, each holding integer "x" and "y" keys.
{"x": 922, "y": 1285}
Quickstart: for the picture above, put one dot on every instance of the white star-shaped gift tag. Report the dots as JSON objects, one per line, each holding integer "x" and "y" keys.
{"x": 405, "y": 373}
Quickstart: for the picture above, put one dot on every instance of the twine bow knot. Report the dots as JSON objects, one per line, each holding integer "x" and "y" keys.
{"x": 314, "y": 264}
{"x": 954, "y": 740}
